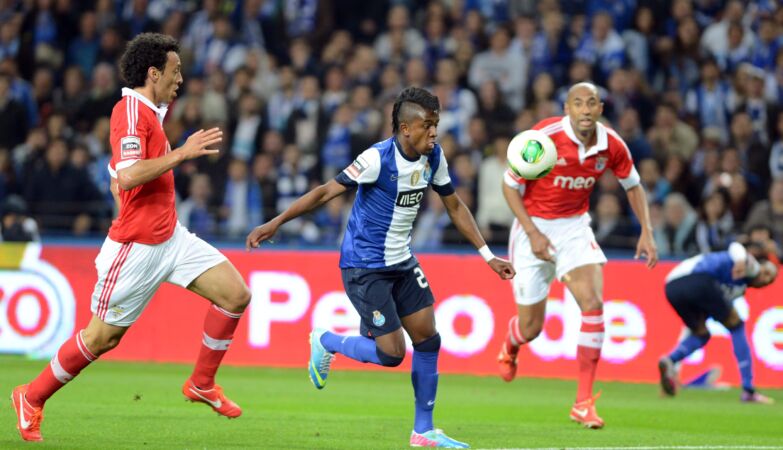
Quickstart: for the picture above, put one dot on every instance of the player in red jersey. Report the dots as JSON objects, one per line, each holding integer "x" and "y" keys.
{"x": 146, "y": 245}
{"x": 551, "y": 236}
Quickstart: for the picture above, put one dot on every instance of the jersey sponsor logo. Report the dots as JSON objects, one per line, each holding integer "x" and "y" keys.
{"x": 358, "y": 166}
{"x": 130, "y": 147}
{"x": 600, "y": 163}
{"x": 410, "y": 198}
{"x": 574, "y": 183}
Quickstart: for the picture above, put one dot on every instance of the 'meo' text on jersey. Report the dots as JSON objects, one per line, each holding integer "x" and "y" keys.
{"x": 391, "y": 189}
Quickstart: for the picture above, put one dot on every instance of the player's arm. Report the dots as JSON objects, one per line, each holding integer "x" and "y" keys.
{"x": 539, "y": 243}
{"x": 304, "y": 204}
{"x": 622, "y": 166}
{"x": 142, "y": 171}
{"x": 463, "y": 219}
{"x": 364, "y": 170}
{"x": 646, "y": 245}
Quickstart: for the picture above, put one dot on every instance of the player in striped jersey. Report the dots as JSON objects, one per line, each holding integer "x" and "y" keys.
{"x": 382, "y": 278}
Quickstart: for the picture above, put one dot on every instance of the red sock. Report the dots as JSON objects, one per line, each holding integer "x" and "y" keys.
{"x": 514, "y": 338}
{"x": 219, "y": 327}
{"x": 71, "y": 358}
{"x": 588, "y": 352}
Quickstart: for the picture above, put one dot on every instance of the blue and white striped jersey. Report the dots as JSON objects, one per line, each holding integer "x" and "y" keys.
{"x": 391, "y": 189}
{"x": 719, "y": 266}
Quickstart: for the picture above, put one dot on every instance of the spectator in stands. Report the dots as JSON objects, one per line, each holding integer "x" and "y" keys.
{"x": 671, "y": 136}
{"x": 15, "y": 223}
{"x": 493, "y": 217}
{"x": 776, "y": 154}
{"x": 769, "y": 212}
{"x": 60, "y": 196}
{"x": 550, "y": 52}
{"x": 602, "y": 47}
{"x": 715, "y": 229}
{"x": 248, "y": 129}
{"x": 639, "y": 40}
{"x": 13, "y": 119}
{"x": 336, "y": 152}
{"x": 631, "y": 132}
{"x": 707, "y": 101}
{"x": 656, "y": 186}
{"x": 195, "y": 213}
{"x": 493, "y": 111}
{"x": 754, "y": 155}
{"x": 398, "y": 29}
{"x": 83, "y": 50}
{"x": 498, "y": 63}
{"x": 677, "y": 236}
{"x": 612, "y": 229}
{"x": 457, "y": 104}
{"x": 242, "y": 207}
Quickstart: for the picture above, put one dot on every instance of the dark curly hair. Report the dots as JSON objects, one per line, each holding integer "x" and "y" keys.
{"x": 144, "y": 51}
{"x": 415, "y": 95}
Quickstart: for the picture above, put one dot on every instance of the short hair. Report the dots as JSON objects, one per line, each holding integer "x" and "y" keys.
{"x": 144, "y": 51}
{"x": 417, "y": 96}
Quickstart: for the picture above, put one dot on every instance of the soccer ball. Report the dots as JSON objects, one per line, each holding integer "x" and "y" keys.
{"x": 531, "y": 154}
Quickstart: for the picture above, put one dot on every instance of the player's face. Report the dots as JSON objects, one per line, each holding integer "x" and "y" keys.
{"x": 584, "y": 108}
{"x": 422, "y": 131}
{"x": 766, "y": 276}
{"x": 170, "y": 79}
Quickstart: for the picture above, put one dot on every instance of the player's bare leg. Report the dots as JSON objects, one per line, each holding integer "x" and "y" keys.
{"x": 522, "y": 328}
{"x": 224, "y": 287}
{"x": 74, "y": 355}
{"x": 586, "y": 285}
{"x": 420, "y": 326}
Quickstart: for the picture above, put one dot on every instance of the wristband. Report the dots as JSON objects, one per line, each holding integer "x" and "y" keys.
{"x": 486, "y": 253}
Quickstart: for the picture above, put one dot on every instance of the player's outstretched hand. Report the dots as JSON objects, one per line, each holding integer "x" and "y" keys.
{"x": 502, "y": 268}
{"x": 259, "y": 234}
{"x": 197, "y": 143}
{"x": 540, "y": 245}
{"x": 646, "y": 248}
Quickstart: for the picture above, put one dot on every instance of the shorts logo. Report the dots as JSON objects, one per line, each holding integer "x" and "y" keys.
{"x": 358, "y": 166}
{"x": 130, "y": 147}
{"x": 600, "y": 163}
{"x": 378, "y": 319}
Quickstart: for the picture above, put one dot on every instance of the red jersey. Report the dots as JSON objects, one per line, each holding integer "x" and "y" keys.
{"x": 566, "y": 190}
{"x": 147, "y": 212}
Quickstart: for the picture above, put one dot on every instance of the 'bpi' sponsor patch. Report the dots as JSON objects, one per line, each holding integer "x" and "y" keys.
{"x": 130, "y": 147}
{"x": 358, "y": 166}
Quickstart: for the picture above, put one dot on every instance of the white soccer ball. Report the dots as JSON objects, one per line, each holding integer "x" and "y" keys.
{"x": 531, "y": 154}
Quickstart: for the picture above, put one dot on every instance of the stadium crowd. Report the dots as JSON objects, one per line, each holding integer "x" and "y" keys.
{"x": 300, "y": 87}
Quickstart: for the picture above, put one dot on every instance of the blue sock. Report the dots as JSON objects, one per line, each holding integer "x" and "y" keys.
{"x": 689, "y": 345}
{"x": 359, "y": 348}
{"x": 742, "y": 353}
{"x": 424, "y": 376}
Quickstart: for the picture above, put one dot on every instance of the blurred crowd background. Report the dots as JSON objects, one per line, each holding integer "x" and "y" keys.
{"x": 300, "y": 87}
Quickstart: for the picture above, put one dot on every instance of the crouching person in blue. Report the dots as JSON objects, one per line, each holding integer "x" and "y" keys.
{"x": 705, "y": 286}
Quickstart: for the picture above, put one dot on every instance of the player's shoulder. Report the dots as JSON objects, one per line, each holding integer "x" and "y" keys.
{"x": 550, "y": 125}
{"x": 613, "y": 138}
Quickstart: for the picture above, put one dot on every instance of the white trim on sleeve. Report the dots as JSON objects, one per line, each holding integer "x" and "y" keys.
{"x": 631, "y": 180}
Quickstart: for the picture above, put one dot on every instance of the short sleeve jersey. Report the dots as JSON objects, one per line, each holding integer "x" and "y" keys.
{"x": 718, "y": 265}
{"x": 391, "y": 189}
{"x": 147, "y": 212}
{"x": 566, "y": 190}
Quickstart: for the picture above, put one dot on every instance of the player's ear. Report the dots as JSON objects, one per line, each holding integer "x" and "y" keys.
{"x": 405, "y": 129}
{"x": 153, "y": 73}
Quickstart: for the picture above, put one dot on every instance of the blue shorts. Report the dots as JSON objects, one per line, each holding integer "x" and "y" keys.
{"x": 696, "y": 297}
{"x": 383, "y": 296}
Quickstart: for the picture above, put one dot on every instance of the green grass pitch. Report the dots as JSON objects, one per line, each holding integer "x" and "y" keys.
{"x": 123, "y": 405}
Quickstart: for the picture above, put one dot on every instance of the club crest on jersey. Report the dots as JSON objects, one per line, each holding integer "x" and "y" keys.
{"x": 427, "y": 172}
{"x": 415, "y": 177}
{"x": 130, "y": 147}
{"x": 600, "y": 163}
{"x": 378, "y": 319}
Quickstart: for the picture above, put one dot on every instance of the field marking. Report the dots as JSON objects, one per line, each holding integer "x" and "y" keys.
{"x": 661, "y": 447}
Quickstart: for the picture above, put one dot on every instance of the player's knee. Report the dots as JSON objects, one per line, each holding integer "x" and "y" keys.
{"x": 531, "y": 328}
{"x": 593, "y": 303}
{"x": 101, "y": 344}
{"x": 430, "y": 345}
{"x": 388, "y": 360}
{"x": 239, "y": 299}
